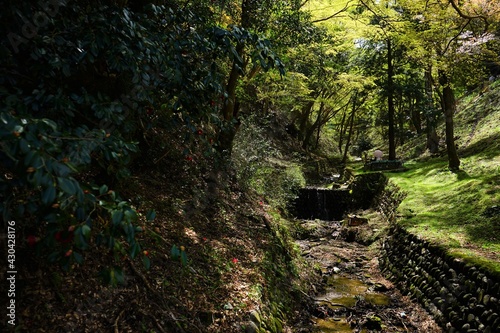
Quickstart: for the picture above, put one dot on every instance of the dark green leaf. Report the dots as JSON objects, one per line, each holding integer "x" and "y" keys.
{"x": 117, "y": 217}
{"x": 146, "y": 262}
{"x": 150, "y": 215}
{"x": 49, "y": 195}
{"x": 78, "y": 257}
{"x": 103, "y": 189}
{"x": 86, "y": 231}
{"x": 183, "y": 258}
{"x": 67, "y": 185}
{"x": 175, "y": 252}
{"x": 119, "y": 276}
{"x": 24, "y": 146}
{"x": 50, "y": 123}
{"x": 134, "y": 250}
{"x": 61, "y": 169}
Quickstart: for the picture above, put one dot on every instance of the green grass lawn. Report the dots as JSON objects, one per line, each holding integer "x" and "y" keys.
{"x": 452, "y": 209}
{"x": 455, "y": 209}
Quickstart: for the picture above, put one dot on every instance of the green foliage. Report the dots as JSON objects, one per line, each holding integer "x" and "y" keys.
{"x": 82, "y": 90}
{"x": 260, "y": 168}
{"x": 113, "y": 276}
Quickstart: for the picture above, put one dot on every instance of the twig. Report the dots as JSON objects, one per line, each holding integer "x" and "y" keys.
{"x": 143, "y": 278}
{"x": 162, "y": 157}
{"x": 156, "y": 235}
{"x": 158, "y": 325}
{"x": 116, "y": 321}
{"x": 402, "y": 322}
{"x": 147, "y": 314}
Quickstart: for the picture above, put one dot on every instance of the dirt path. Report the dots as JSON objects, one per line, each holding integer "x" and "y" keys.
{"x": 354, "y": 296}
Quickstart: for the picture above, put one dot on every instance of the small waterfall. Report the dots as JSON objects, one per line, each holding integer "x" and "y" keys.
{"x": 332, "y": 204}
{"x": 323, "y": 204}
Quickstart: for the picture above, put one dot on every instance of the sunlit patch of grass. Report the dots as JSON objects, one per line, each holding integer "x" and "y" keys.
{"x": 448, "y": 208}
{"x": 474, "y": 259}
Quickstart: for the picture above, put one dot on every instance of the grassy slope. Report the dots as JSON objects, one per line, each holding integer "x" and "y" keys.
{"x": 452, "y": 209}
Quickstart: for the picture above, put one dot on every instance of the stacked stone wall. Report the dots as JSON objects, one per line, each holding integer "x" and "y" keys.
{"x": 461, "y": 297}
{"x": 388, "y": 200}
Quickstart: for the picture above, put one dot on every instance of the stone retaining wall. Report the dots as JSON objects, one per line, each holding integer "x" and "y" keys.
{"x": 461, "y": 297}
{"x": 388, "y": 200}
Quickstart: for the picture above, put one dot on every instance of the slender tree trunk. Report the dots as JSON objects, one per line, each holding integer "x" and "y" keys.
{"x": 320, "y": 125}
{"x": 416, "y": 117}
{"x": 342, "y": 131}
{"x": 390, "y": 101}
{"x": 432, "y": 137}
{"x": 449, "y": 107}
{"x": 349, "y": 133}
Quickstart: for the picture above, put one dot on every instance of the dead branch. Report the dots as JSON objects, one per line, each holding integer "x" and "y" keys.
{"x": 144, "y": 279}
{"x": 117, "y": 320}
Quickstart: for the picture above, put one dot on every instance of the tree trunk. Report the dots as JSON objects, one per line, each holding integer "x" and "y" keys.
{"x": 318, "y": 129}
{"x": 432, "y": 137}
{"x": 342, "y": 130}
{"x": 304, "y": 118}
{"x": 349, "y": 134}
{"x": 390, "y": 101}
{"x": 310, "y": 131}
{"x": 449, "y": 107}
{"x": 230, "y": 110}
{"x": 416, "y": 116}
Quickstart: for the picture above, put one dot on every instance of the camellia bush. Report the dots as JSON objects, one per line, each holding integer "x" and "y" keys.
{"x": 84, "y": 86}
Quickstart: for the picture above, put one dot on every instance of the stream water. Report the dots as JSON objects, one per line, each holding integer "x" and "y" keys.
{"x": 354, "y": 296}
{"x": 341, "y": 293}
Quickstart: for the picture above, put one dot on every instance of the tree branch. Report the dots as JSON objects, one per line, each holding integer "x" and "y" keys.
{"x": 303, "y": 4}
{"x": 468, "y": 17}
{"x": 347, "y": 5}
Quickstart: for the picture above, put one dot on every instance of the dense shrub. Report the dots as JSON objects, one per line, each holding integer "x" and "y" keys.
{"x": 86, "y": 87}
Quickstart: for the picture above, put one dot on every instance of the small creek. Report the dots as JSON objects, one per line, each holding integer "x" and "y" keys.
{"x": 353, "y": 295}
{"x": 342, "y": 292}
